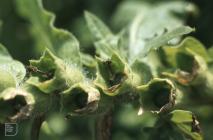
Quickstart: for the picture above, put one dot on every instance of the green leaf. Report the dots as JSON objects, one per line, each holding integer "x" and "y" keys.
{"x": 123, "y": 44}
{"x": 129, "y": 10}
{"x": 105, "y": 42}
{"x": 51, "y": 73}
{"x": 97, "y": 28}
{"x": 7, "y": 80}
{"x": 148, "y": 20}
{"x": 59, "y": 41}
{"x": 195, "y": 47}
{"x": 12, "y": 71}
{"x": 102, "y": 36}
{"x": 181, "y": 116}
{"x": 105, "y": 48}
{"x": 151, "y": 13}
{"x": 185, "y": 122}
{"x": 88, "y": 60}
{"x": 164, "y": 39}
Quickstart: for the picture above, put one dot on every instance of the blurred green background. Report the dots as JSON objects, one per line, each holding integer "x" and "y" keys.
{"x": 15, "y": 34}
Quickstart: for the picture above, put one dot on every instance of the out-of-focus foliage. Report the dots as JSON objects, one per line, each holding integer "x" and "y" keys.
{"x": 130, "y": 58}
{"x": 58, "y": 41}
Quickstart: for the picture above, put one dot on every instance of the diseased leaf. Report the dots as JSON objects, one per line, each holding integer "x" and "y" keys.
{"x": 61, "y": 42}
{"x": 111, "y": 74}
{"x": 126, "y": 69}
{"x": 189, "y": 49}
{"x": 195, "y": 72}
{"x": 15, "y": 105}
{"x": 189, "y": 45}
{"x": 51, "y": 73}
{"x": 195, "y": 47}
{"x": 158, "y": 95}
{"x": 82, "y": 98}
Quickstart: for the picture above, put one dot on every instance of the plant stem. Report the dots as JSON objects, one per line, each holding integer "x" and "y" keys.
{"x": 36, "y": 125}
{"x": 103, "y": 126}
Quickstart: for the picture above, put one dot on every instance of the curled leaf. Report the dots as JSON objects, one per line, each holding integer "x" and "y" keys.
{"x": 15, "y": 105}
{"x": 158, "y": 95}
{"x": 189, "y": 45}
{"x": 111, "y": 74}
{"x": 195, "y": 71}
{"x": 81, "y": 98}
{"x": 50, "y": 73}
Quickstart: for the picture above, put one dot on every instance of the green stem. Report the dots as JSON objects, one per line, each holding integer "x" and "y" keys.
{"x": 36, "y": 125}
